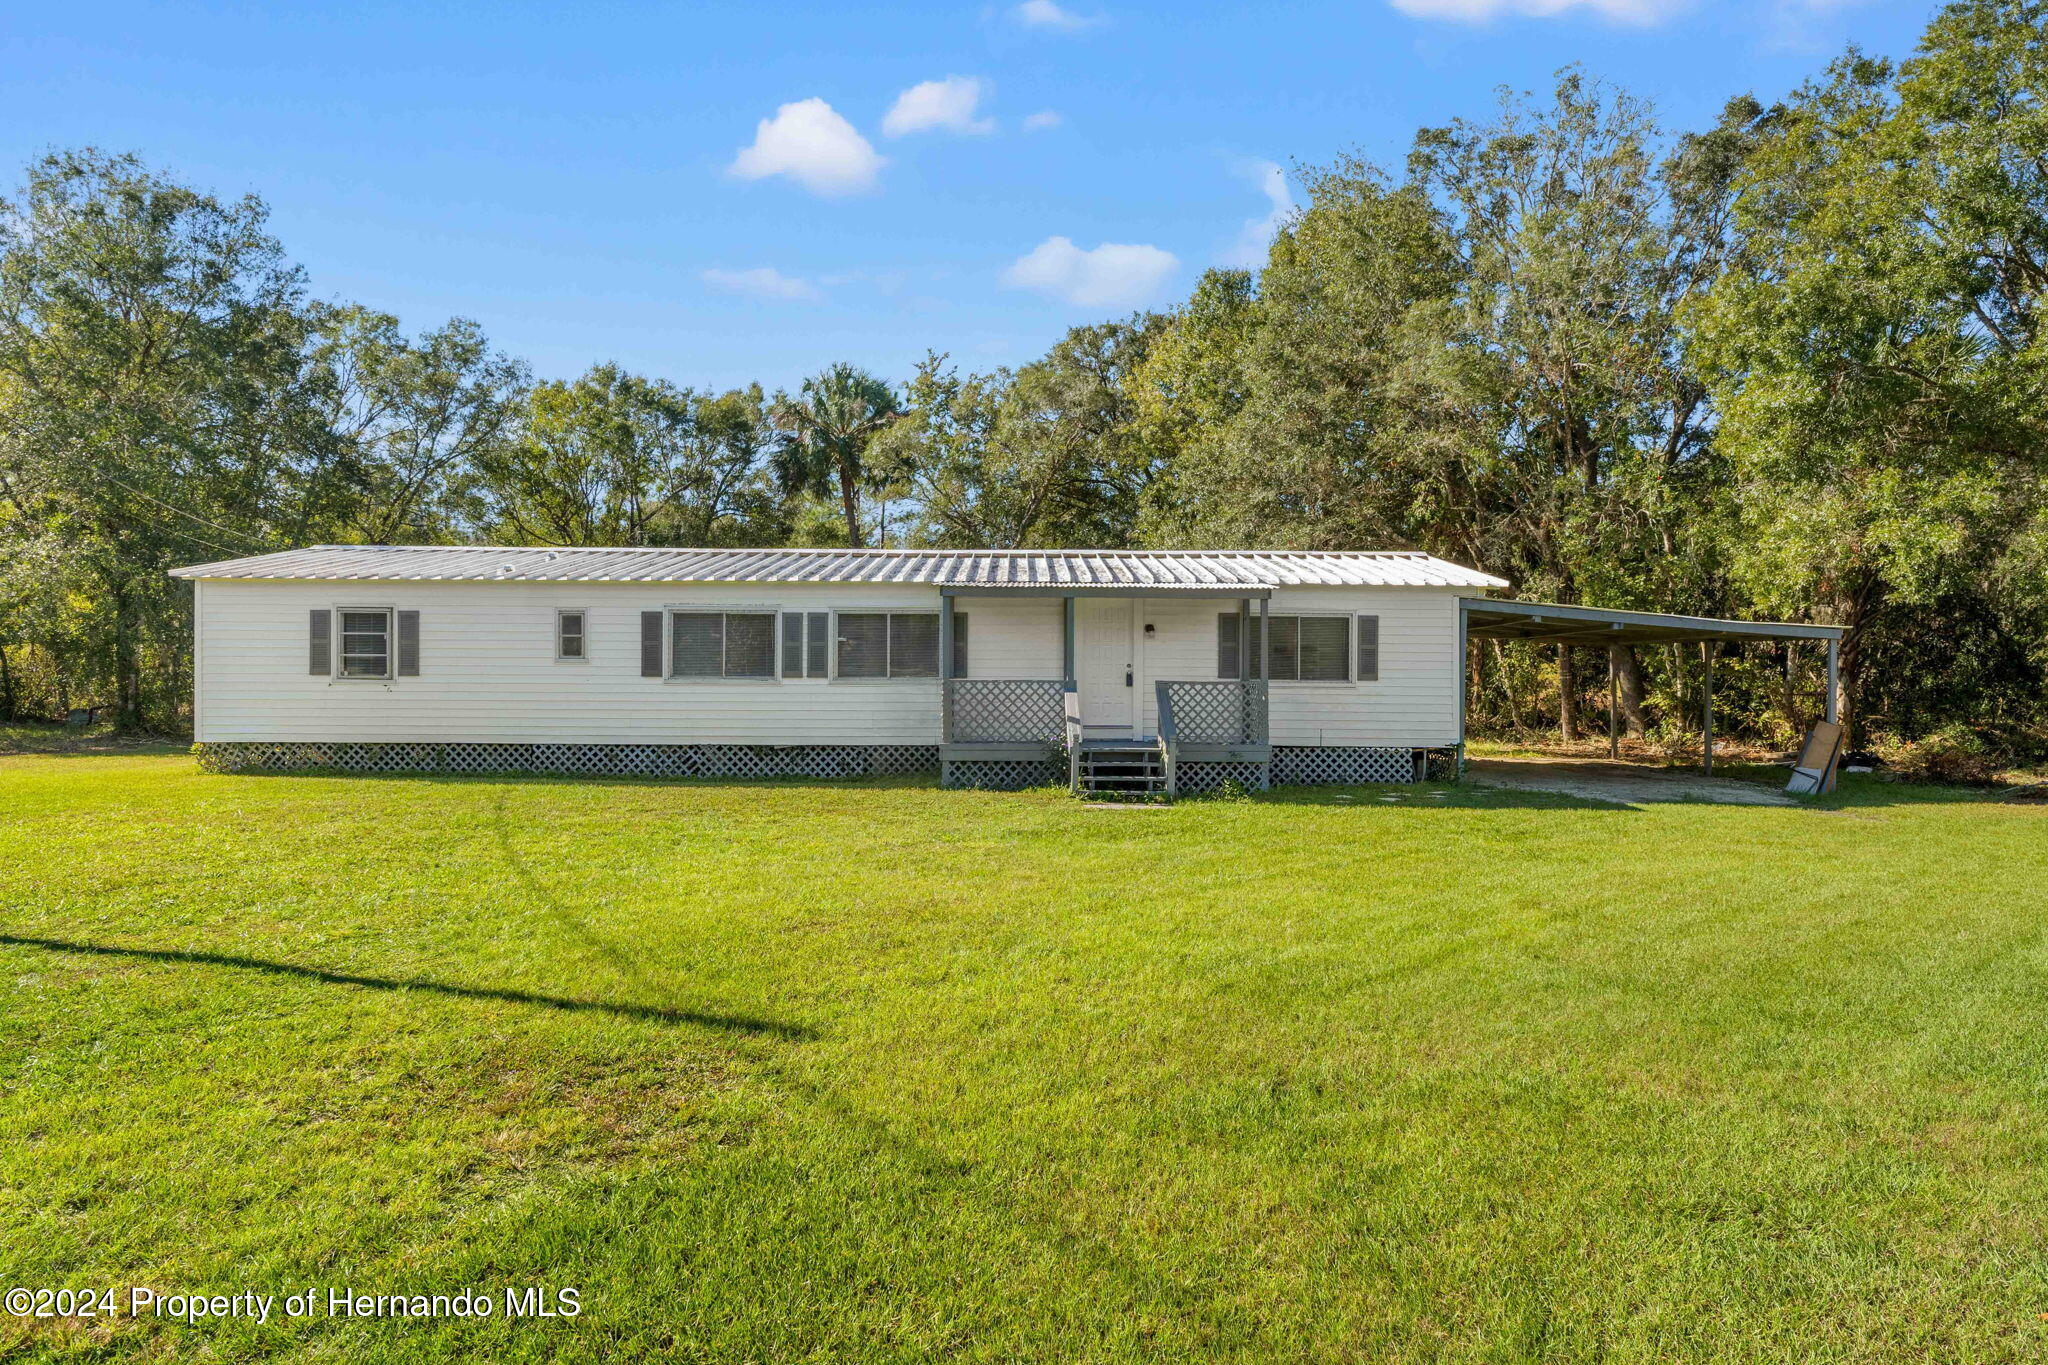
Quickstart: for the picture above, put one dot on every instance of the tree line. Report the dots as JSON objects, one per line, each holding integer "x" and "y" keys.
{"x": 1789, "y": 365}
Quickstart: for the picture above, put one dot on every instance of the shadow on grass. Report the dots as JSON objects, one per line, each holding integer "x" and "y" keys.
{"x": 731, "y": 1022}
{"x": 25, "y": 739}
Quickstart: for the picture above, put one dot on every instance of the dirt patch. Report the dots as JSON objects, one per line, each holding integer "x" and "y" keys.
{"x": 1624, "y": 784}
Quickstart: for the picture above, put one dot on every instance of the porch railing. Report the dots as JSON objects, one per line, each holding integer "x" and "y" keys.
{"x": 1007, "y": 711}
{"x": 1169, "y": 741}
{"x": 1230, "y": 711}
{"x": 1070, "y": 706}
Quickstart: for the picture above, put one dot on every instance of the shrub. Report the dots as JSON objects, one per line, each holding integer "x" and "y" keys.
{"x": 1954, "y": 753}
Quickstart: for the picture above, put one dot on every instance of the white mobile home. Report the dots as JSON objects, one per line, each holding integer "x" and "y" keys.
{"x": 995, "y": 668}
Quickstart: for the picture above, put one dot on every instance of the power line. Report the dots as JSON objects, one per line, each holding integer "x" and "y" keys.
{"x": 193, "y": 516}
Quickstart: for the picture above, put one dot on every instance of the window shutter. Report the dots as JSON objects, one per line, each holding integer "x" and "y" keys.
{"x": 408, "y": 644}
{"x": 1368, "y": 649}
{"x": 320, "y": 654}
{"x": 792, "y": 644}
{"x": 650, "y": 644}
{"x": 959, "y": 644}
{"x": 1226, "y": 645}
{"x": 818, "y": 650}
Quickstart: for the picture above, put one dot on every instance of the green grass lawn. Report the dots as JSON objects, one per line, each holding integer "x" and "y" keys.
{"x": 874, "y": 1072}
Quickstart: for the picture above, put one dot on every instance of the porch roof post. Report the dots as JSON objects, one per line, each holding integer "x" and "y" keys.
{"x": 1067, "y": 639}
{"x": 945, "y": 666}
{"x": 1244, "y": 628}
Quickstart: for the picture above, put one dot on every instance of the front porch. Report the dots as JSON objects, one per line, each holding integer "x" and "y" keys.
{"x": 1107, "y": 722}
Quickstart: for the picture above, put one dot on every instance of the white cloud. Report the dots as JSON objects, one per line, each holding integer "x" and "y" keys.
{"x": 1802, "y": 27}
{"x": 1482, "y": 11}
{"x": 1249, "y": 251}
{"x": 761, "y": 282}
{"x": 1111, "y": 275}
{"x": 948, "y": 104}
{"x": 1048, "y": 14}
{"x": 1043, "y": 119}
{"x": 811, "y": 144}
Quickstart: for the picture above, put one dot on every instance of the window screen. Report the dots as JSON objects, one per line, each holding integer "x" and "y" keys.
{"x": 1298, "y": 648}
{"x": 1325, "y": 645}
{"x": 1283, "y": 648}
{"x": 899, "y": 644}
{"x": 863, "y": 644}
{"x": 699, "y": 648}
{"x": 569, "y": 635}
{"x": 366, "y": 644}
{"x": 723, "y": 644}
{"x": 914, "y": 646}
{"x": 749, "y": 645}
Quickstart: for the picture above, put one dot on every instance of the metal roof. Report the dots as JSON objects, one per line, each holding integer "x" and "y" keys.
{"x": 1492, "y": 618}
{"x": 981, "y": 570}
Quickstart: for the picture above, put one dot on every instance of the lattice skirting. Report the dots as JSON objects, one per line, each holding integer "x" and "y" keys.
{"x": 1306, "y": 767}
{"x": 1005, "y": 775}
{"x": 576, "y": 760}
{"x": 1206, "y": 779}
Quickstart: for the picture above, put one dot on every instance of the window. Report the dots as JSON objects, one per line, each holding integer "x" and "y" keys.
{"x": 365, "y": 644}
{"x": 806, "y": 644}
{"x": 569, "y": 635}
{"x": 899, "y": 644}
{"x": 1299, "y": 648}
{"x": 722, "y": 644}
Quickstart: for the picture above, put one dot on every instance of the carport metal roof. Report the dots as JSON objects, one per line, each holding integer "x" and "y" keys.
{"x": 1552, "y": 623}
{"x": 1489, "y": 618}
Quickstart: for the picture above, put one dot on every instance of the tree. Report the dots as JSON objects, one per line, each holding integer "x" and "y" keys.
{"x": 1879, "y": 352}
{"x": 415, "y": 416}
{"x": 618, "y": 459}
{"x": 1048, "y": 455}
{"x": 825, "y": 433}
{"x": 153, "y": 403}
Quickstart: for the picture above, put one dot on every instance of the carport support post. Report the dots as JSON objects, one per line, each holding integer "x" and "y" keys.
{"x": 1834, "y": 665}
{"x": 1613, "y": 732}
{"x": 1707, "y": 709}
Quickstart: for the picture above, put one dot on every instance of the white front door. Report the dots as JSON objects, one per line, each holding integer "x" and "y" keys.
{"x": 1105, "y": 664}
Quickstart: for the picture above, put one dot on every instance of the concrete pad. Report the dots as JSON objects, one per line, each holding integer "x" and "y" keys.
{"x": 1624, "y": 784}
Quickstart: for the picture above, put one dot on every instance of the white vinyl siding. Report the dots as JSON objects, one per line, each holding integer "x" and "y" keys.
{"x": 481, "y": 680}
{"x": 1413, "y": 701}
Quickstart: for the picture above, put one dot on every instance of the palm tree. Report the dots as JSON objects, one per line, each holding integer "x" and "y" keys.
{"x": 825, "y": 433}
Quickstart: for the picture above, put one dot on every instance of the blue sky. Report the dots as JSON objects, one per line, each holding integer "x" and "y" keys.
{"x": 594, "y": 182}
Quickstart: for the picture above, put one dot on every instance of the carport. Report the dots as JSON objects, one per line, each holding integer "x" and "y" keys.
{"x": 1550, "y": 623}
